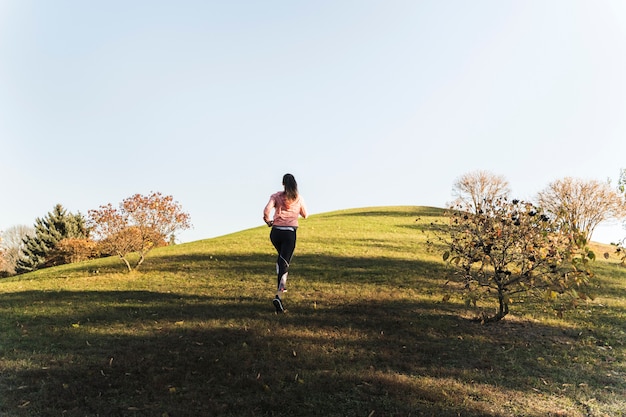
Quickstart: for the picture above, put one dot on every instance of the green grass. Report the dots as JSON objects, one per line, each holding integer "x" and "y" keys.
{"x": 194, "y": 333}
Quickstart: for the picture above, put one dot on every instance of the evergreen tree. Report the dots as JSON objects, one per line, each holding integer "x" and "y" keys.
{"x": 50, "y": 230}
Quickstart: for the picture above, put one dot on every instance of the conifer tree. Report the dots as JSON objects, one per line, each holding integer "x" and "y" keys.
{"x": 50, "y": 230}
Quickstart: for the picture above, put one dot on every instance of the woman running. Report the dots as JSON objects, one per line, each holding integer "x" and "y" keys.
{"x": 288, "y": 205}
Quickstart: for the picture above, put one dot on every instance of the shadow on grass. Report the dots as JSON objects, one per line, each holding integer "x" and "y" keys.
{"x": 411, "y": 218}
{"x": 310, "y": 267}
{"x": 401, "y": 212}
{"x": 143, "y": 353}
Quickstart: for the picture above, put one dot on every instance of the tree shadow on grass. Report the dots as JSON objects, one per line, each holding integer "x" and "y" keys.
{"x": 334, "y": 269}
{"x": 142, "y": 353}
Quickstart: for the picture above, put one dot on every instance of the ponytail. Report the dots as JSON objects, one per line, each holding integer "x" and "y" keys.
{"x": 291, "y": 187}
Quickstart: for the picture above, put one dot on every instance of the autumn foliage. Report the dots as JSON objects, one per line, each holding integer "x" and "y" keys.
{"x": 510, "y": 248}
{"x": 72, "y": 250}
{"x": 139, "y": 224}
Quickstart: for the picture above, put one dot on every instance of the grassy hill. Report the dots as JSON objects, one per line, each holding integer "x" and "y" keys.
{"x": 194, "y": 333}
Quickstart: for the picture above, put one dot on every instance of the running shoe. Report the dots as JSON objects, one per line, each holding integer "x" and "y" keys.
{"x": 278, "y": 304}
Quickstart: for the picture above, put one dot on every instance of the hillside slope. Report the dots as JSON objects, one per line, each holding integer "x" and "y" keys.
{"x": 194, "y": 333}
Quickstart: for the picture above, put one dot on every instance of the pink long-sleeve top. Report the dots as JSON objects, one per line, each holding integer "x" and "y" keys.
{"x": 285, "y": 213}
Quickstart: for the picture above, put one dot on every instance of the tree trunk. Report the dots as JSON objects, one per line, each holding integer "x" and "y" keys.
{"x": 126, "y": 262}
{"x": 141, "y": 259}
{"x": 503, "y": 310}
{"x": 503, "y": 307}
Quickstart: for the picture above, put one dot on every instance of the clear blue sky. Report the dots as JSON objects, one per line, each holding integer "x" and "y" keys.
{"x": 367, "y": 103}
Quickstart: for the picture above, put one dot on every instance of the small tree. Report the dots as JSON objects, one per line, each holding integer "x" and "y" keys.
{"x": 12, "y": 245}
{"x": 581, "y": 205}
{"x": 72, "y": 250}
{"x": 49, "y": 230}
{"x": 3, "y": 268}
{"x": 620, "y": 246}
{"x": 512, "y": 248}
{"x": 138, "y": 225}
{"x": 474, "y": 189}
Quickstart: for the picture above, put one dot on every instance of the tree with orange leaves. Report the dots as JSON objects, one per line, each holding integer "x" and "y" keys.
{"x": 140, "y": 224}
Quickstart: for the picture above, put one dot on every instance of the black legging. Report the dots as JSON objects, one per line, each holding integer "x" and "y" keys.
{"x": 284, "y": 240}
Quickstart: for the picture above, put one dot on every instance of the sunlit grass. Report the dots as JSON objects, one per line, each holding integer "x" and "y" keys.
{"x": 194, "y": 333}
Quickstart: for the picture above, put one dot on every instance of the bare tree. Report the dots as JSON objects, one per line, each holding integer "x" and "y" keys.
{"x": 580, "y": 205}
{"x": 475, "y": 188}
{"x": 2, "y": 260}
{"x": 620, "y": 246}
{"x": 12, "y": 244}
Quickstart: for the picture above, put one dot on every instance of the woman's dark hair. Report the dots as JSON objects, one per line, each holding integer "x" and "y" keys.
{"x": 291, "y": 187}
